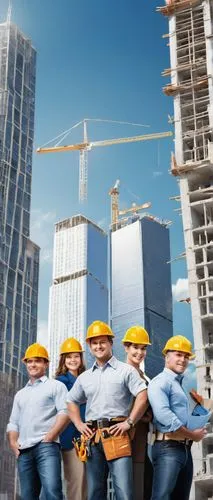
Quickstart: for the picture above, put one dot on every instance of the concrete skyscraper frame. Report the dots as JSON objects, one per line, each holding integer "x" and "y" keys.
{"x": 191, "y": 54}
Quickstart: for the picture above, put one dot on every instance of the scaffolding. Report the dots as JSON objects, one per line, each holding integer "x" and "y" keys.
{"x": 191, "y": 86}
{"x": 174, "y": 6}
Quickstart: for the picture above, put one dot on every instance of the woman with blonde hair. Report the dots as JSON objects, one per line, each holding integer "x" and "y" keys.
{"x": 136, "y": 340}
{"x": 71, "y": 364}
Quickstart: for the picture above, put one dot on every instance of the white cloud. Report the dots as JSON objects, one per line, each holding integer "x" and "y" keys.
{"x": 42, "y": 333}
{"x": 157, "y": 173}
{"x": 42, "y": 229}
{"x": 180, "y": 290}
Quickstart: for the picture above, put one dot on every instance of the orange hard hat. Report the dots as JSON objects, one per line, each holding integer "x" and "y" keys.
{"x": 70, "y": 345}
{"x": 36, "y": 351}
{"x": 98, "y": 328}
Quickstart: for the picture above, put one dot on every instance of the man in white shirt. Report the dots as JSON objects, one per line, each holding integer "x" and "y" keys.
{"x": 38, "y": 416}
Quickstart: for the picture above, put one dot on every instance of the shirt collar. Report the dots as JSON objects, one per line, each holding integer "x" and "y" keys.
{"x": 113, "y": 362}
{"x": 41, "y": 379}
{"x": 174, "y": 375}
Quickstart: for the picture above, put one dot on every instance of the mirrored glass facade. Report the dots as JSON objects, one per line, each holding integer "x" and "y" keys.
{"x": 79, "y": 292}
{"x": 141, "y": 286}
{"x": 19, "y": 256}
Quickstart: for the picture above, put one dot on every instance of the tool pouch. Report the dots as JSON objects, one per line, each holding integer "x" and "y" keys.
{"x": 115, "y": 446}
{"x": 80, "y": 448}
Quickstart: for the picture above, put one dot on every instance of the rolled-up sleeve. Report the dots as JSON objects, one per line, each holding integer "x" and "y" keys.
{"x": 13, "y": 424}
{"x": 134, "y": 382}
{"x": 158, "y": 395}
{"x": 76, "y": 394}
{"x": 60, "y": 398}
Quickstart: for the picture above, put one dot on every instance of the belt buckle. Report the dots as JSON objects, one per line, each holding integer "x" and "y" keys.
{"x": 102, "y": 422}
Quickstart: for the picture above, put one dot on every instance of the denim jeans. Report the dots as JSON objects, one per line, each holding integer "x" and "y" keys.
{"x": 98, "y": 467}
{"x": 39, "y": 467}
{"x": 173, "y": 471}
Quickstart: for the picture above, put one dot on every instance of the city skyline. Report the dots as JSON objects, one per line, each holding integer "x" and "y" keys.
{"x": 123, "y": 85}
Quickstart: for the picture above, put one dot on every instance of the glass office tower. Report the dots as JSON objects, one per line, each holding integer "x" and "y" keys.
{"x": 141, "y": 286}
{"x": 19, "y": 256}
{"x": 79, "y": 292}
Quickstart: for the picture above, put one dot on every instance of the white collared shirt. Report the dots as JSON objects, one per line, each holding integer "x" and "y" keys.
{"x": 108, "y": 390}
{"x": 35, "y": 409}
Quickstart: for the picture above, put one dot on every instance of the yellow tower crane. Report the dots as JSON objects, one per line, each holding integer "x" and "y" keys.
{"x": 87, "y": 145}
{"x": 116, "y": 213}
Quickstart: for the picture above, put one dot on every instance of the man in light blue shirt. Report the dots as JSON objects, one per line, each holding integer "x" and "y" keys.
{"x": 38, "y": 416}
{"x": 172, "y": 460}
{"x": 109, "y": 389}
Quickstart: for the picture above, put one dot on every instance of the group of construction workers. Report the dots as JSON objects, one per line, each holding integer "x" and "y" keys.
{"x": 98, "y": 420}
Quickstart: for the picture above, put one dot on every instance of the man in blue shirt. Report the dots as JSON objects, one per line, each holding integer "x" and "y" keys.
{"x": 109, "y": 388}
{"x": 38, "y": 416}
{"x": 171, "y": 454}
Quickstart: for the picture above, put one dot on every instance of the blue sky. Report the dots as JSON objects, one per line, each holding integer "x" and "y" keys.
{"x": 100, "y": 59}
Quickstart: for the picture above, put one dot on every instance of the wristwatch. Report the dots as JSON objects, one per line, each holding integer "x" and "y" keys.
{"x": 130, "y": 422}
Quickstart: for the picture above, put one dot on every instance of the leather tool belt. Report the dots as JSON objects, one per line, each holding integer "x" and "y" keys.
{"x": 114, "y": 446}
{"x": 172, "y": 436}
{"x": 101, "y": 423}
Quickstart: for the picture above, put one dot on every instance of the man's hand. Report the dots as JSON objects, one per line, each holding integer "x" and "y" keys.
{"x": 49, "y": 438}
{"x": 15, "y": 448}
{"x": 119, "y": 429}
{"x": 85, "y": 430}
{"x": 199, "y": 434}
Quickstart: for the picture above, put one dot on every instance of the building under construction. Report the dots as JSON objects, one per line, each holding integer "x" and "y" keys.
{"x": 191, "y": 86}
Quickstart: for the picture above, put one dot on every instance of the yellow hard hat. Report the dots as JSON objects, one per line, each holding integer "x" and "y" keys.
{"x": 180, "y": 344}
{"x": 70, "y": 345}
{"x": 98, "y": 328}
{"x": 36, "y": 351}
{"x": 137, "y": 335}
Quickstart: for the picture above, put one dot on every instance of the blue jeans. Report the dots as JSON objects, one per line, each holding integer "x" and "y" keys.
{"x": 40, "y": 466}
{"x": 98, "y": 467}
{"x": 173, "y": 471}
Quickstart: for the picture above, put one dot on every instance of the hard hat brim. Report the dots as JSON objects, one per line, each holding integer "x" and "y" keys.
{"x": 191, "y": 355}
{"x": 70, "y": 352}
{"x": 30, "y": 357}
{"x": 134, "y": 342}
{"x": 99, "y": 335}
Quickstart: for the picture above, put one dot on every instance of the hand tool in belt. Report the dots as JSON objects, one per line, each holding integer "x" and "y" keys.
{"x": 81, "y": 448}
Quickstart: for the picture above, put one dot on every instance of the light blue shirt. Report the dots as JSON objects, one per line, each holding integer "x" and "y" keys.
{"x": 108, "y": 390}
{"x": 169, "y": 402}
{"x": 35, "y": 409}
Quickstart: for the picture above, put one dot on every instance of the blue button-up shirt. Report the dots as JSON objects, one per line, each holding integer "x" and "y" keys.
{"x": 35, "y": 409}
{"x": 108, "y": 390}
{"x": 169, "y": 402}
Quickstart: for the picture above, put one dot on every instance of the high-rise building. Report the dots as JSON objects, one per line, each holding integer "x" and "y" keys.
{"x": 19, "y": 256}
{"x": 191, "y": 86}
{"x": 141, "y": 285}
{"x": 79, "y": 292}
